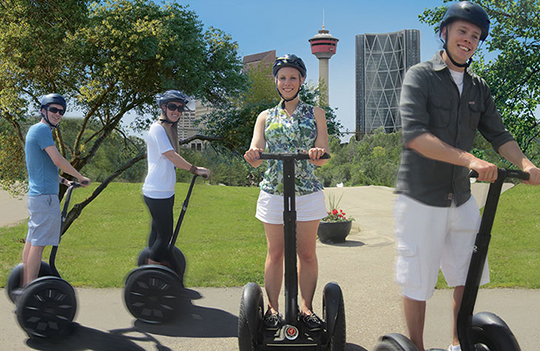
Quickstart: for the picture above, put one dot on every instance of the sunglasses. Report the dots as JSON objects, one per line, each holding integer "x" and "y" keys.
{"x": 56, "y": 110}
{"x": 173, "y": 107}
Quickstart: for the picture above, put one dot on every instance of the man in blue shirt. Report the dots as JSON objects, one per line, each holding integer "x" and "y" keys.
{"x": 42, "y": 162}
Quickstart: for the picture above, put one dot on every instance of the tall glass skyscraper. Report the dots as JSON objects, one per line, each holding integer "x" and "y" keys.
{"x": 381, "y": 63}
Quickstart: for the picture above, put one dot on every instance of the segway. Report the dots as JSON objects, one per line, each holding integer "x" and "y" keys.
{"x": 483, "y": 331}
{"x": 152, "y": 293}
{"x": 47, "y": 306}
{"x": 292, "y": 335}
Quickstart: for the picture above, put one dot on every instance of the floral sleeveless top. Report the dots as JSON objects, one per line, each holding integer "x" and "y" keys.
{"x": 290, "y": 134}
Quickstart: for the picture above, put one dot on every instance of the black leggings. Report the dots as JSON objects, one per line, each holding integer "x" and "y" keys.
{"x": 161, "y": 232}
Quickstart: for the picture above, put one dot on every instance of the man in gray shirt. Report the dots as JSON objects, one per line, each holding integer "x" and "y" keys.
{"x": 443, "y": 103}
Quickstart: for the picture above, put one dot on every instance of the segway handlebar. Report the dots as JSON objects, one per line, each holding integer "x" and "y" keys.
{"x": 297, "y": 156}
{"x": 78, "y": 185}
{"x": 505, "y": 173}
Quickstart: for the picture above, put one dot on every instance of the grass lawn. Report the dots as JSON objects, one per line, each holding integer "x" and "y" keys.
{"x": 514, "y": 251}
{"x": 225, "y": 245}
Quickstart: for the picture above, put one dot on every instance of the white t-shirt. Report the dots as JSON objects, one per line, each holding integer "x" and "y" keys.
{"x": 161, "y": 177}
{"x": 458, "y": 79}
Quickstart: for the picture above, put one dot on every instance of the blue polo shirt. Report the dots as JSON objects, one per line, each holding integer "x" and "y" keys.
{"x": 42, "y": 172}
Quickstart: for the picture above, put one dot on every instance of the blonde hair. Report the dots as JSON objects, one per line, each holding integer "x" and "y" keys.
{"x": 172, "y": 132}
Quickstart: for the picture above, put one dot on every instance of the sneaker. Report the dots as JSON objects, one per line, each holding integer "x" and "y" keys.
{"x": 272, "y": 320}
{"x": 312, "y": 322}
{"x": 454, "y": 348}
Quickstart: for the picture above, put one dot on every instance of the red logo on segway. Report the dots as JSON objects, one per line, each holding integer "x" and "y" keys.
{"x": 291, "y": 332}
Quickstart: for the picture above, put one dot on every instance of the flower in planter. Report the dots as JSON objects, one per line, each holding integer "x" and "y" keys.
{"x": 335, "y": 214}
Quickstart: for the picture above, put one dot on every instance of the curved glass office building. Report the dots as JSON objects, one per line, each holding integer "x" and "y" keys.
{"x": 381, "y": 63}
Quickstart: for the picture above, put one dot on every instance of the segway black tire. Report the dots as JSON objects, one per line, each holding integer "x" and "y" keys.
{"x": 16, "y": 276}
{"x": 490, "y": 333}
{"x": 47, "y": 307}
{"x": 178, "y": 264}
{"x": 152, "y": 294}
{"x": 395, "y": 342}
{"x": 334, "y": 317}
{"x": 250, "y": 318}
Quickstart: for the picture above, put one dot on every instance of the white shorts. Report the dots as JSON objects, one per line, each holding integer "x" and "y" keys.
{"x": 429, "y": 238}
{"x": 44, "y": 223}
{"x": 309, "y": 207}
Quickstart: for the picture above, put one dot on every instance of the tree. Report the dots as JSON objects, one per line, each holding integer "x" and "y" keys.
{"x": 261, "y": 85}
{"x": 514, "y": 73}
{"x": 12, "y": 162}
{"x": 373, "y": 160}
{"x": 107, "y": 58}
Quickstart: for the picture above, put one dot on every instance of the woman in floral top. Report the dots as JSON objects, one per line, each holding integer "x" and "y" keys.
{"x": 290, "y": 127}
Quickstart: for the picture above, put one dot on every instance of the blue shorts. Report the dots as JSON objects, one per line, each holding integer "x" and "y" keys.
{"x": 309, "y": 207}
{"x": 44, "y": 224}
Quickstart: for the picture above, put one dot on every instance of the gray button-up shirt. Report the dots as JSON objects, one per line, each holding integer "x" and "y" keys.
{"x": 430, "y": 103}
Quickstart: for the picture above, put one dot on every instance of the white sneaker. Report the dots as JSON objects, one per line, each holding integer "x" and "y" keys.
{"x": 454, "y": 348}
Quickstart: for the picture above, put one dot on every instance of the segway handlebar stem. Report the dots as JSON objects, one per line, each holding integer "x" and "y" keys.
{"x": 479, "y": 254}
{"x": 185, "y": 204}
{"x": 63, "y": 216}
{"x": 289, "y": 228}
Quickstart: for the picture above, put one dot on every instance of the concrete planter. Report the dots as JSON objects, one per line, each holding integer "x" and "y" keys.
{"x": 334, "y": 232}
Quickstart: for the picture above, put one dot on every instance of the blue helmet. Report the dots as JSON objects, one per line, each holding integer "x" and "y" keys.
{"x": 170, "y": 96}
{"x": 53, "y": 98}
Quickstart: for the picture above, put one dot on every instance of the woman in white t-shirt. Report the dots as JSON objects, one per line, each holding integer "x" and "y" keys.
{"x": 163, "y": 158}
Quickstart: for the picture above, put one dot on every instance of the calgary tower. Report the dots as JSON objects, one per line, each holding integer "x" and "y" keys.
{"x": 324, "y": 46}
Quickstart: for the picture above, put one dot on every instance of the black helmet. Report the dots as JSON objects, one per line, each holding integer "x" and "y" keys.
{"x": 289, "y": 61}
{"x": 53, "y": 98}
{"x": 470, "y": 12}
{"x": 170, "y": 96}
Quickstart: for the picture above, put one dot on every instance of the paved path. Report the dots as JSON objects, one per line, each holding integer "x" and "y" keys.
{"x": 13, "y": 210}
{"x": 363, "y": 267}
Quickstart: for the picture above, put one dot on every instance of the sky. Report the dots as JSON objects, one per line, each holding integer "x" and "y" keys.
{"x": 285, "y": 26}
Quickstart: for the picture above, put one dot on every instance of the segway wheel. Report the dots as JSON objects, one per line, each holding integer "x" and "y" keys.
{"x": 152, "y": 294}
{"x": 16, "y": 276}
{"x": 47, "y": 307}
{"x": 334, "y": 317}
{"x": 178, "y": 264}
{"x": 490, "y": 333}
{"x": 250, "y": 317}
{"x": 395, "y": 342}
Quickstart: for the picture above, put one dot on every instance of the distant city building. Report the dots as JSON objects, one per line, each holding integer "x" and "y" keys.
{"x": 267, "y": 58}
{"x": 381, "y": 63}
{"x": 324, "y": 46}
{"x": 191, "y": 122}
{"x": 189, "y": 125}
